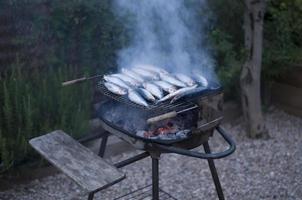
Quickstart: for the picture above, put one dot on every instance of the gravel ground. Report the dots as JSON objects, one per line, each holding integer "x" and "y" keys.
{"x": 259, "y": 169}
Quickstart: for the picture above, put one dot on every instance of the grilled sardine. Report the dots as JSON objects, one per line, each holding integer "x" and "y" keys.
{"x": 133, "y": 75}
{"x": 146, "y": 94}
{"x": 188, "y": 92}
{"x": 152, "y": 68}
{"x": 171, "y": 79}
{"x": 146, "y": 73}
{"x": 137, "y": 98}
{"x": 116, "y": 81}
{"x": 115, "y": 88}
{"x": 166, "y": 86}
{"x": 200, "y": 79}
{"x": 154, "y": 90}
{"x": 186, "y": 79}
{"x": 127, "y": 79}
{"x": 177, "y": 92}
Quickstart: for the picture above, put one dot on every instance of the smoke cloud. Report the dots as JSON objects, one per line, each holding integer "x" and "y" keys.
{"x": 166, "y": 33}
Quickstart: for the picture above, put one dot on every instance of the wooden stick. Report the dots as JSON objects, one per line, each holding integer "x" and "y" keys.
{"x": 168, "y": 115}
{"x": 66, "y": 83}
{"x": 162, "y": 117}
{"x": 79, "y": 80}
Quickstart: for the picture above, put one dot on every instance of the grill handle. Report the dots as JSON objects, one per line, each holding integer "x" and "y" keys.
{"x": 71, "y": 82}
{"x": 168, "y": 115}
{"x": 230, "y": 150}
{"x": 80, "y": 80}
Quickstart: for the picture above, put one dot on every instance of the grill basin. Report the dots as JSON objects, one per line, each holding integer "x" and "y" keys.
{"x": 200, "y": 113}
{"x": 206, "y": 110}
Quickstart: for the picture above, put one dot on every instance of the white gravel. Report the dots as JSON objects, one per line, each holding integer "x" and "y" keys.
{"x": 259, "y": 169}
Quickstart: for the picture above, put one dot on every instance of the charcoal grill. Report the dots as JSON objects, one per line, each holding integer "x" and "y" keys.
{"x": 205, "y": 107}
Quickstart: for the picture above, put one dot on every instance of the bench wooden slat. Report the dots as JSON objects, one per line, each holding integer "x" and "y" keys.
{"x": 76, "y": 161}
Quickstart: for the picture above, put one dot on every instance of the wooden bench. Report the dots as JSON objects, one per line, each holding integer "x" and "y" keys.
{"x": 87, "y": 169}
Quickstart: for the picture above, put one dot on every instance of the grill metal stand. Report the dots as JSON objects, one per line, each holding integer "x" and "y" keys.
{"x": 208, "y": 155}
{"x": 155, "y": 178}
{"x": 103, "y": 144}
{"x": 209, "y": 100}
{"x": 214, "y": 172}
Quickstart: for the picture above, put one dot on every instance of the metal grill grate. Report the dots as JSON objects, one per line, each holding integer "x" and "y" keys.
{"x": 213, "y": 89}
{"x": 145, "y": 193}
{"x": 160, "y": 107}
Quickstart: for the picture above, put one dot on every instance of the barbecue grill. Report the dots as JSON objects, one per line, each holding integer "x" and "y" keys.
{"x": 200, "y": 113}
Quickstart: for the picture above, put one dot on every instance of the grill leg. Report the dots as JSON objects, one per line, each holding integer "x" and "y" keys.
{"x": 214, "y": 172}
{"x": 90, "y": 196}
{"x": 155, "y": 179}
{"x": 103, "y": 144}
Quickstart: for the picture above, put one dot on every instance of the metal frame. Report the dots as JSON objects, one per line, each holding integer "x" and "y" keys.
{"x": 144, "y": 193}
{"x": 132, "y": 160}
{"x": 185, "y": 152}
{"x": 214, "y": 172}
{"x": 90, "y": 196}
{"x": 208, "y": 155}
{"x": 103, "y": 144}
{"x": 155, "y": 178}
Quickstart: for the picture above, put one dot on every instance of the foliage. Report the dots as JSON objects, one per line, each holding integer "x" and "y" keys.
{"x": 228, "y": 62}
{"x": 78, "y": 33}
{"x": 226, "y": 37}
{"x": 50, "y": 35}
{"x": 282, "y": 39}
{"x": 35, "y": 103}
{"x": 282, "y": 35}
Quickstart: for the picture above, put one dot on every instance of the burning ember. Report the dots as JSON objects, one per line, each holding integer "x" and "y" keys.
{"x": 169, "y": 131}
{"x": 134, "y": 121}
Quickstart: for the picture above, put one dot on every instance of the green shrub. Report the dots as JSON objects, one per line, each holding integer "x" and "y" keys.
{"x": 34, "y": 103}
{"x": 226, "y": 38}
{"x": 282, "y": 36}
{"x": 282, "y": 39}
{"x": 51, "y": 35}
{"x": 77, "y": 33}
{"x": 229, "y": 62}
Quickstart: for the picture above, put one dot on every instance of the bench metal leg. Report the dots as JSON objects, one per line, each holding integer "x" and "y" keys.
{"x": 155, "y": 179}
{"x": 90, "y": 196}
{"x": 214, "y": 172}
{"x": 103, "y": 145}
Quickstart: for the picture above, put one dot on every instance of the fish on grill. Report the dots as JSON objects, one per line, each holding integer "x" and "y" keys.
{"x": 148, "y": 83}
{"x": 146, "y": 94}
{"x": 166, "y": 86}
{"x": 152, "y": 68}
{"x": 154, "y": 90}
{"x": 146, "y": 73}
{"x": 200, "y": 79}
{"x": 177, "y": 92}
{"x": 188, "y": 92}
{"x": 133, "y": 75}
{"x": 172, "y": 80}
{"x": 116, "y": 81}
{"x": 127, "y": 79}
{"x": 186, "y": 79}
{"x": 137, "y": 98}
{"x": 115, "y": 88}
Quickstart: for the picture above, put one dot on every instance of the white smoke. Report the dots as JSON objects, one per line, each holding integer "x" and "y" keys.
{"x": 165, "y": 33}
